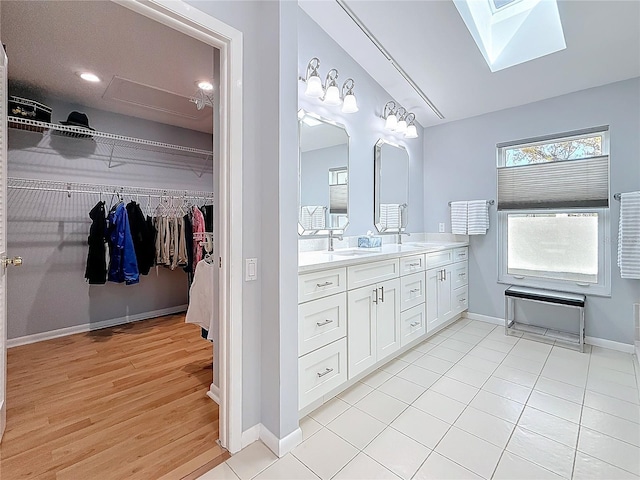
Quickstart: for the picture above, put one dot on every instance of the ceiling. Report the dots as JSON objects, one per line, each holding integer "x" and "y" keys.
{"x": 148, "y": 70}
{"x": 430, "y": 41}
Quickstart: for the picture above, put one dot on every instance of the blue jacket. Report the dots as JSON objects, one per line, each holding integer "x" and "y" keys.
{"x": 123, "y": 265}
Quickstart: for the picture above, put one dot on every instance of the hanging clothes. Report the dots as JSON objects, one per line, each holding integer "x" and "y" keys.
{"x": 198, "y": 228}
{"x": 123, "y": 266}
{"x": 143, "y": 241}
{"x": 96, "y": 271}
{"x": 207, "y": 212}
{"x": 188, "y": 237}
{"x": 201, "y": 308}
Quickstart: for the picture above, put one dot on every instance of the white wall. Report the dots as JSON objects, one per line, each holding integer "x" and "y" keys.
{"x": 460, "y": 164}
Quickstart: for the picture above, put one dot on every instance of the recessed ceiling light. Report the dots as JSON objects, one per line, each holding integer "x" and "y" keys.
{"x": 89, "y": 77}
{"x": 206, "y": 86}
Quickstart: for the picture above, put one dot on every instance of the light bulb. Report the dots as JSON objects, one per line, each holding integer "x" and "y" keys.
{"x": 412, "y": 132}
{"x": 391, "y": 122}
{"x": 350, "y": 105}
{"x": 89, "y": 77}
{"x": 401, "y": 127}
{"x": 206, "y": 86}
{"x": 314, "y": 87}
{"x": 332, "y": 97}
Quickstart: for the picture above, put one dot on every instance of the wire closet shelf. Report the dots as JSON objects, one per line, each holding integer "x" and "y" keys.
{"x": 110, "y": 139}
{"x": 92, "y": 188}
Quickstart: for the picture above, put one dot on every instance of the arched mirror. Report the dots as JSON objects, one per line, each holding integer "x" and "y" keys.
{"x": 323, "y": 198}
{"x": 391, "y": 187}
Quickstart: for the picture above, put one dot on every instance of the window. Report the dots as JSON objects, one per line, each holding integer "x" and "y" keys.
{"x": 553, "y": 212}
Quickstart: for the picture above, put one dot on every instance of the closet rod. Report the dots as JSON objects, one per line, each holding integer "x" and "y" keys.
{"x": 489, "y": 202}
{"x": 72, "y": 187}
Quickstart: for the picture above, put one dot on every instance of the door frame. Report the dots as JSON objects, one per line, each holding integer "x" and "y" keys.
{"x": 180, "y": 16}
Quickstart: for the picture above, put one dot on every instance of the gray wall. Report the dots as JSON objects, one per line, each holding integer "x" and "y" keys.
{"x": 49, "y": 230}
{"x": 314, "y": 173}
{"x": 460, "y": 164}
{"x": 365, "y": 127}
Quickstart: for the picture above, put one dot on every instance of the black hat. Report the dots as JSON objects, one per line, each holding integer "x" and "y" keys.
{"x": 77, "y": 119}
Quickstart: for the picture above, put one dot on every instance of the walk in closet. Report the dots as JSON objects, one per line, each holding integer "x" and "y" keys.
{"x": 111, "y": 205}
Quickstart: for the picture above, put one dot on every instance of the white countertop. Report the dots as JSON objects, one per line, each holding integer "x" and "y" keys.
{"x": 319, "y": 260}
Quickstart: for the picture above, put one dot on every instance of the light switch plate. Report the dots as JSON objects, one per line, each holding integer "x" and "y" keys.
{"x": 251, "y": 269}
{"x": 441, "y": 227}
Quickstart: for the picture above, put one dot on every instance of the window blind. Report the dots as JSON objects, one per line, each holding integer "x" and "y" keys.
{"x": 580, "y": 183}
{"x": 338, "y": 195}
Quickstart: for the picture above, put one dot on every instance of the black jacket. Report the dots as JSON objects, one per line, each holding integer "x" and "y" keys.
{"x": 143, "y": 238}
{"x": 96, "y": 271}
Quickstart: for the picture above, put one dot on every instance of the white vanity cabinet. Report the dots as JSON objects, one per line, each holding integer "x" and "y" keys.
{"x": 446, "y": 286}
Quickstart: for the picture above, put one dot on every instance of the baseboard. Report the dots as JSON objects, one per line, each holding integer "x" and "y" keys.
{"x": 214, "y": 393}
{"x": 280, "y": 446}
{"x": 250, "y": 435}
{"x": 484, "y": 318}
{"x": 87, "y": 327}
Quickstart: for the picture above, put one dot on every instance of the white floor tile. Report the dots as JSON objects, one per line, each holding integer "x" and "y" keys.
{"x": 542, "y": 451}
{"x": 376, "y": 379}
{"x": 628, "y": 394}
{"x": 446, "y": 353}
{"x": 622, "y": 363}
{"x": 525, "y": 364}
{"x": 357, "y": 427}
{"x": 425, "y": 347}
{"x": 555, "y": 406}
{"x": 550, "y": 426}
{"x": 250, "y": 461}
{"x": 496, "y": 345}
{"x": 479, "y": 364}
{"x": 309, "y": 426}
{"x": 440, "y": 406}
{"x": 513, "y": 467}
{"x": 488, "y": 354}
{"x": 488, "y": 427}
{"x": 567, "y": 371}
{"x": 482, "y": 328}
{"x": 516, "y": 376}
{"x": 364, "y": 467}
{"x": 397, "y": 452}
{"x": 609, "y": 375}
{"x": 536, "y": 351}
{"x": 221, "y": 472}
{"x": 411, "y": 356}
{"x": 560, "y": 389}
{"x": 469, "y": 376}
{"x": 420, "y": 376}
{"x": 610, "y": 450}
{"x": 420, "y": 426}
{"x": 570, "y": 354}
{"x": 329, "y": 411}
{"x": 454, "y": 389}
{"x": 434, "y": 364}
{"x": 499, "y": 336}
{"x": 287, "y": 468}
{"x": 473, "y": 453}
{"x": 458, "y": 345}
{"x": 437, "y": 467}
{"x": 325, "y": 453}
{"x": 611, "y": 425}
{"x": 507, "y": 389}
{"x": 355, "y": 393}
{"x": 402, "y": 389}
{"x": 394, "y": 366}
{"x": 498, "y": 406}
{"x": 467, "y": 338}
{"x": 381, "y": 406}
{"x": 588, "y": 467}
{"x": 613, "y": 406}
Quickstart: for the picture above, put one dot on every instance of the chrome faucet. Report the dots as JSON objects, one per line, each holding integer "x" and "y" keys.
{"x": 331, "y": 237}
{"x": 400, "y": 236}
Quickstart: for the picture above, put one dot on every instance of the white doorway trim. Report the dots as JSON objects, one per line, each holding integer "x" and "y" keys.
{"x": 201, "y": 26}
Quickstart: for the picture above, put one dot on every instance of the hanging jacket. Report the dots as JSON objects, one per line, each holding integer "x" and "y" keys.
{"x": 198, "y": 227}
{"x": 188, "y": 236}
{"x": 207, "y": 212}
{"x": 96, "y": 271}
{"x": 143, "y": 240}
{"x": 123, "y": 266}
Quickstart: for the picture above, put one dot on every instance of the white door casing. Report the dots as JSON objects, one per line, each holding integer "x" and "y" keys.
{"x": 3, "y": 241}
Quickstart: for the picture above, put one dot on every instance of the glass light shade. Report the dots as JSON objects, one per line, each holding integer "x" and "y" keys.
{"x": 349, "y": 105}
{"x": 412, "y": 132}
{"x": 314, "y": 87}
{"x": 401, "y": 127}
{"x": 391, "y": 122}
{"x": 332, "y": 97}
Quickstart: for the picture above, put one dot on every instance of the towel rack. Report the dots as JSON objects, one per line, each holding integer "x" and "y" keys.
{"x": 489, "y": 202}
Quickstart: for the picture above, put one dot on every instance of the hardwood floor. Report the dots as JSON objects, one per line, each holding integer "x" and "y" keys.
{"x": 125, "y": 402}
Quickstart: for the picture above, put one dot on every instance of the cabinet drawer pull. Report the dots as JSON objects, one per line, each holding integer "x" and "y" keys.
{"x": 322, "y": 374}
{"x": 325, "y": 284}
{"x": 326, "y": 322}
{"x": 382, "y": 295}
{"x": 414, "y": 290}
{"x": 415, "y": 324}
{"x": 463, "y": 300}
{"x": 415, "y": 264}
{"x": 462, "y": 275}
{"x": 462, "y": 254}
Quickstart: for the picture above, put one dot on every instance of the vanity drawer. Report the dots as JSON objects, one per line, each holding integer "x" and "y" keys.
{"x": 460, "y": 299}
{"x": 321, "y": 371}
{"x": 412, "y": 264}
{"x": 438, "y": 259}
{"x": 321, "y": 322}
{"x": 312, "y": 286}
{"x": 370, "y": 273}
{"x": 459, "y": 274}
{"x": 412, "y": 290}
{"x": 460, "y": 254}
{"x": 414, "y": 324}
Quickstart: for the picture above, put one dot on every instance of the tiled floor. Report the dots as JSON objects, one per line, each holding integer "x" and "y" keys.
{"x": 470, "y": 403}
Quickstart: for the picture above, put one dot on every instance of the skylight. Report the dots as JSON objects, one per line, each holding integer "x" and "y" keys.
{"x": 511, "y": 32}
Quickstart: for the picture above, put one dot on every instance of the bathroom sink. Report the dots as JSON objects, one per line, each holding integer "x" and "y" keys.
{"x": 351, "y": 252}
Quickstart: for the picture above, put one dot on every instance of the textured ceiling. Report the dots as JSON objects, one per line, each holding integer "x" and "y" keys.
{"x": 49, "y": 41}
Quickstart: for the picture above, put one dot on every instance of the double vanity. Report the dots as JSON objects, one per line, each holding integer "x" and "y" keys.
{"x": 360, "y": 308}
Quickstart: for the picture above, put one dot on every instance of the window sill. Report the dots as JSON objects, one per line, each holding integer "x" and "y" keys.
{"x": 593, "y": 290}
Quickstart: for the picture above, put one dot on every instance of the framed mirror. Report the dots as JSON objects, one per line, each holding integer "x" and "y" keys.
{"x": 323, "y": 196}
{"x": 391, "y": 187}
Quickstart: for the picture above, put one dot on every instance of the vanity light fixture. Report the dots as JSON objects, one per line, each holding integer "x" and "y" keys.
{"x": 398, "y": 120}
{"x": 389, "y": 115}
{"x": 329, "y": 93}
{"x": 401, "y": 126}
{"x": 412, "y": 131}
